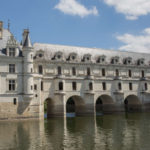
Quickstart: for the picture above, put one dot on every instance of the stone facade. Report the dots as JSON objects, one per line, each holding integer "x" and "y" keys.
{"x": 94, "y": 79}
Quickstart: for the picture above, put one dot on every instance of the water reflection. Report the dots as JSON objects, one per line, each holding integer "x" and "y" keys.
{"x": 109, "y": 132}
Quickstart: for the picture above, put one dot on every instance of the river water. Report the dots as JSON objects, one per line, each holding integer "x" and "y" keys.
{"x": 108, "y": 132}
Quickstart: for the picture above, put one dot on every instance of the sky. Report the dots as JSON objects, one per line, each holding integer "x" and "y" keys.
{"x": 108, "y": 24}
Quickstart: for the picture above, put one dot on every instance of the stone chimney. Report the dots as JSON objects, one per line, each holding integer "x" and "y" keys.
{"x": 1, "y": 29}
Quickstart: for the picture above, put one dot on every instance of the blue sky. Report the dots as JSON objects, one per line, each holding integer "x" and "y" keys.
{"x": 108, "y": 24}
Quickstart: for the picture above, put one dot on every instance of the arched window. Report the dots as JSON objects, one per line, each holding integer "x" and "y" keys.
{"x": 88, "y": 71}
{"x": 60, "y": 86}
{"x": 104, "y": 85}
{"x": 143, "y": 74}
{"x": 59, "y": 70}
{"x": 119, "y": 86}
{"x": 130, "y": 73}
{"x": 73, "y": 71}
{"x": 40, "y": 69}
{"x": 103, "y": 72}
{"x": 90, "y": 86}
{"x": 117, "y": 73}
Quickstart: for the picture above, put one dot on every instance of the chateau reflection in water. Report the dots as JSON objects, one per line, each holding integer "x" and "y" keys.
{"x": 109, "y": 132}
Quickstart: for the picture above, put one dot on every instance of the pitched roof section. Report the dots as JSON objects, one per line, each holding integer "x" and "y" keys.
{"x": 26, "y": 39}
{"x": 51, "y": 49}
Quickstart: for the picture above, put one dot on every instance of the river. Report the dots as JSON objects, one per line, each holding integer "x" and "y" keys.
{"x": 108, "y": 132}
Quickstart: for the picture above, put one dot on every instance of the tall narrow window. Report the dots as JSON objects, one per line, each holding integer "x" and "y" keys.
{"x": 42, "y": 87}
{"x": 117, "y": 73}
{"x": 130, "y": 86}
{"x": 130, "y": 73}
{"x": 74, "y": 86}
{"x": 103, "y": 72}
{"x": 73, "y": 71}
{"x": 15, "y": 101}
{"x": 146, "y": 87}
{"x": 88, "y": 71}
{"x": 60, "y": 86}
{"x": 40, "y": 69}
{"x": 59, "y": 70}
{"x": 119, "y": 86}
{"x": 12, "y": 85}
{"x": 143, "y": 74}
{"x": 12, "y": 52}
{"x": 11, "y": 68}
{"x": 90, "y": 86}
{"x": 35, "y": 86}
{"x": 104, "y": 85}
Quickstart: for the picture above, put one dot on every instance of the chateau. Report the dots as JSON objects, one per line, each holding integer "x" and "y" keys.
{"x": 88, "y": 80}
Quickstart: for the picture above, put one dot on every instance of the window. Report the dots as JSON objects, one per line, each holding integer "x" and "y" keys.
{"x": 40, "y": 69}
{"x": 60, "y": 86}
{"x": 146, "y": 88}
{"x": 73, "y": 71}
{"x": 119, "y": 86}
{"x": 11, "y": 68}
{"x": 88, "y": 71}
{"x": 130, "y": 86}
{"x": 31, "y": 87}
{"x": 15, "y": 101}
{"x": 90, "y": 86}
{"x": 130, "y": 73}
{"x": 59, "y": 70}
{"x": 117, "y": 73}
{"x": 103, "y": 72}
{"x": 42, "y": 87}
{"x": 11, "y": 85}
{"x": 31, "y": 70}
{"x": 11, "y": 51}
{"x": 143, "y": 74}
{"x": 31, "y": 56}
{"x": 35, "y": 87}
{"x": 104, "y": 85}
{"x": 74, "y": 86}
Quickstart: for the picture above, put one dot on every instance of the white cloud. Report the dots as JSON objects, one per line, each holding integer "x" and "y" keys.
{"x": 131, "y": 8}
{"x": 72, "y": 7}
{"x": 136, "y": 43}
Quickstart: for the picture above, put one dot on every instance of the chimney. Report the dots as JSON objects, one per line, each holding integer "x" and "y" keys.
{"x": 1, "y": 29}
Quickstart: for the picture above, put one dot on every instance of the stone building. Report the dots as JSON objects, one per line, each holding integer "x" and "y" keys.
{"x": 88, "y": 80}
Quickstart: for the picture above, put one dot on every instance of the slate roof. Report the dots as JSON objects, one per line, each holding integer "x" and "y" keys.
{"x": 51, "y": 49}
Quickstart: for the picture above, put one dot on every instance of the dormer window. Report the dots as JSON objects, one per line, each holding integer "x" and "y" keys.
{"x": 140, "y": 61}
{"x": 12, "y": 52}
{"x": 127, "y": 61}
{"x": 115, "y": 60}
{"x": 40, "y": 55}
{"x": 87, "y": 58}
{"x": 101, "y": 59}
{"x": 58, "y": 56}
{"x": 72, "y": 57}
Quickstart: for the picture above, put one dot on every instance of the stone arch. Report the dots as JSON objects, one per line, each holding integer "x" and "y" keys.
{"x": 132, "y": 103}
{"x": 49, "y": 107}
{"x": 75, "y": 104}
{"x": 104, "y": 104}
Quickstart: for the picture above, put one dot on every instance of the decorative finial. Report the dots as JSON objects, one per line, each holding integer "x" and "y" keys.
{"x": 8, "y": 25}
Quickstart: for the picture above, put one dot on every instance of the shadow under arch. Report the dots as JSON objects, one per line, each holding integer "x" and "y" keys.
{"x": 104, "y": 104}
{"x": 48, "y": 107}
{"x": 75, "y": 105}
{"x": 132, "y": 104}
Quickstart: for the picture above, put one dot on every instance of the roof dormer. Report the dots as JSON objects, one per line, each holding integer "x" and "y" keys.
{"x": 101, "y": 59}
{"x": 73, "y": 57}
{"x": 140, "y": 62}
{"x": 87, "y": 58}
{"x": 127, "y": 61}
{"x": 115, "y": 60}
{"x": 58, "y": 56}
